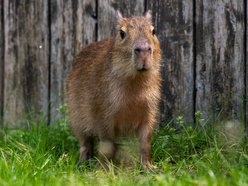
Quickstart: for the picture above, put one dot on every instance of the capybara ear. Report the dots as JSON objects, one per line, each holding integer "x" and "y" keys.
{"x": 148, "y": 14}
{"x": 119, "y": 15}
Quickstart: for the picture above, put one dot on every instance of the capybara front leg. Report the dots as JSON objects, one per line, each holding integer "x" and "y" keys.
{"x": 86, "y": 148}
{"x": 145, "y": 135}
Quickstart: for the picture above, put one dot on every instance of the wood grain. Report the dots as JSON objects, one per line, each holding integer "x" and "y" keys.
{"x": 246, "y": 72}
{"x": 1, "y": 62}
{"x": 73, "y": 26}
{"x": 26, "y": 59}
{"x": 107, "y": 14}
{"x": 220, "y": 58}
{"x": 173, "y": 21}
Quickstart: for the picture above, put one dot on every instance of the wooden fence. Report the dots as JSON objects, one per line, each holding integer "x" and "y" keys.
{"x": 203, "y": 41}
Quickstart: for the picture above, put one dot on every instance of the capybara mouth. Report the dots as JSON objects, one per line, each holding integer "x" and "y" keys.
{"x": 142, "y": 69}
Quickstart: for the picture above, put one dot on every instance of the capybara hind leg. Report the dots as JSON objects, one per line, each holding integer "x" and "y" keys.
{"x": 86, "y": 148}
{"x": 107, "y": 149}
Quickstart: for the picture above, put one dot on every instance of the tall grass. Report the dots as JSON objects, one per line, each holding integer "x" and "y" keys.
{"x": 188, "y": 155}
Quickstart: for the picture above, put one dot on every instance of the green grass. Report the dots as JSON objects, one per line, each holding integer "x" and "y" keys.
{"x": 40, "y": 155}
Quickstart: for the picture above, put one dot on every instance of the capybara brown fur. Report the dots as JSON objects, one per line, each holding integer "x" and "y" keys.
{"x": 114, "y": 89}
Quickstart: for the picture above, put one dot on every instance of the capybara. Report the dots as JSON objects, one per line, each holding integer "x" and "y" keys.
{"x": 114, "y": 89}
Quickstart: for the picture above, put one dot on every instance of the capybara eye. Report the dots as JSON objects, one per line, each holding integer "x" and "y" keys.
{"x": 153, "y": 32}
{"x": 122, "y": 34}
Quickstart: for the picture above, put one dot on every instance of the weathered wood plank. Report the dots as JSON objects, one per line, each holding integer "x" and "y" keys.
{"x": 174, "y": 24}
{"x": 220, "y": 58}
{"x": 72, "y": 27}
{"x": 246, "y": 73}
{"x": 107, "y": 14}
{"x": 1, "y": 62}
{"x": 26, "y": 58}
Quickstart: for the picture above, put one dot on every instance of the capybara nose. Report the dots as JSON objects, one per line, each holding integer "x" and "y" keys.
{"x": 142, "y": 46}
{"x": 137, "y": 51}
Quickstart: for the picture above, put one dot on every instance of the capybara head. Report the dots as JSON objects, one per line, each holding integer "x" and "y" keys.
{"x": 136, "y": 46}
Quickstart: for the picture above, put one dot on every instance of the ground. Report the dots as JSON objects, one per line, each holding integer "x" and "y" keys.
{"x": 187, "y": 155}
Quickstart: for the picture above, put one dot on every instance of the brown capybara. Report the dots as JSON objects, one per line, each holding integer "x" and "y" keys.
{"x": 114, "y": 89}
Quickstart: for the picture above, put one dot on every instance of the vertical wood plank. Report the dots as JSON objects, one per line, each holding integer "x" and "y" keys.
{"x": 174, "y": 24}
{"x": 1, "y": 62}
{"x": 246, "y": 70}
{"x": 72, "y": 27}
{"x": 107, "y": 14}
{"x": 220, "y": 58}
{"x": 26, "y": 58}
